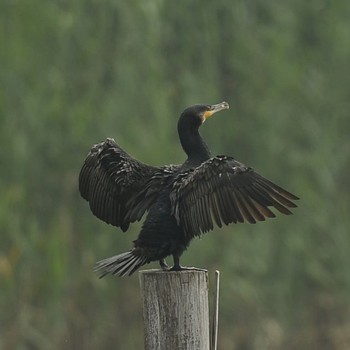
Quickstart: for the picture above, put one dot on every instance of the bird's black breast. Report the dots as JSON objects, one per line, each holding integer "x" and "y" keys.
{"x": 160, "y": 235}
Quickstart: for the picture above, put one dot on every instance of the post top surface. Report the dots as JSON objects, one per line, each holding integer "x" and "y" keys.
{"x": 182, "y": 272}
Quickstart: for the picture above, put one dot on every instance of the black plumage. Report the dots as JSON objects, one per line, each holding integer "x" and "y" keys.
{"x": 183, "y": 201}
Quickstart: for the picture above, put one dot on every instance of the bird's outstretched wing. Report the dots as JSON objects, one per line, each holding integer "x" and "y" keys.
{"x": 224, "y": 191}
{"x": 118, "y": 187}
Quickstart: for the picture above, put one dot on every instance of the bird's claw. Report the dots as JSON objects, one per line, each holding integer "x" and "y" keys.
{"x": 163, "y": 265}
{"x": 182, "y": 268}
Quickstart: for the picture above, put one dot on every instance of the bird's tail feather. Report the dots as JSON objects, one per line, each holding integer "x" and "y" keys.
{"x": 121, "y": 265}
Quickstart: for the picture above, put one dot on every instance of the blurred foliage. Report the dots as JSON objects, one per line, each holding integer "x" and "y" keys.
{"x": 74, "y": 72}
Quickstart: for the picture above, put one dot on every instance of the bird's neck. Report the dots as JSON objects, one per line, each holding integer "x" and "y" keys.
{"x": 193, "y": 145}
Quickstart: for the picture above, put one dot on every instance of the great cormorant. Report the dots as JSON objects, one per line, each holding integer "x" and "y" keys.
{"x": 183, "y": 201}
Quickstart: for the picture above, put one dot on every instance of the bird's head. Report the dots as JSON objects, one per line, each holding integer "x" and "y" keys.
{"x": 190, "y": 121}
{"x": 196, "y": 115}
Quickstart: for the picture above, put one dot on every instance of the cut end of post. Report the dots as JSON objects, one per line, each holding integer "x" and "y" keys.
{"x": 185, "y": 270}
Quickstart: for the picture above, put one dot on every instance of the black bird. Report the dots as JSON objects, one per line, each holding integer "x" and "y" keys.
{"x": 183, "y": 201}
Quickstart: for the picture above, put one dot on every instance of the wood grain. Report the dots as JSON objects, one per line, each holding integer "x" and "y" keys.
{"x": 175, "y": 309}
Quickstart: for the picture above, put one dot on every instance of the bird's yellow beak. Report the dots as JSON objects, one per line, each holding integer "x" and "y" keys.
{"x": 215, "y": 108}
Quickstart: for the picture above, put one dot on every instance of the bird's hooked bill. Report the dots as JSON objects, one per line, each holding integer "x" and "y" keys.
{"x": 215, "y": 108}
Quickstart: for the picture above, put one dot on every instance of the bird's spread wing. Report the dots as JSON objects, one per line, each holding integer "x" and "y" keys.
{"x": 224, "y": 191}
{"x": 118, "y": 188}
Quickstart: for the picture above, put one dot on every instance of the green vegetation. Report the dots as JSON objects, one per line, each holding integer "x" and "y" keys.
{"x": 74, "y": 72}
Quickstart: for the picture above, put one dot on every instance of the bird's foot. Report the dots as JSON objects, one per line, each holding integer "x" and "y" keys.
{"x": 183, "y": 268}
{"x": 163, "y": 265}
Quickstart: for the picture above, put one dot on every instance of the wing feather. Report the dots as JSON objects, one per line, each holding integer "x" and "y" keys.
{"x": 223, "y": 191}
{"x": 254, "y": 211}
{"x": 118, "y": 187}
{"x": 243, "y": 208}
{"x": 274, "y": 193}
{"x": 214, "y": 209}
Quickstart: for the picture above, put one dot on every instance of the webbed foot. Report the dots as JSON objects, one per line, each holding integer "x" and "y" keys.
{"x": 178, "y": 267}
{"x": 184, "y": 268}
{"x": 164, "y": 266}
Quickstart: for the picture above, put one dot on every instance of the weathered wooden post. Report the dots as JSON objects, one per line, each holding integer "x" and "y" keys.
{"x": 175, "y": 309}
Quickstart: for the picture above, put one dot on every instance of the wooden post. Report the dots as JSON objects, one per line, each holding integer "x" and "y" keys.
{"x": 175, "y": 309}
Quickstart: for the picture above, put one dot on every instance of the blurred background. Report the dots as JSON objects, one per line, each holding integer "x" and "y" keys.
{"x": 75, "y": 72}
